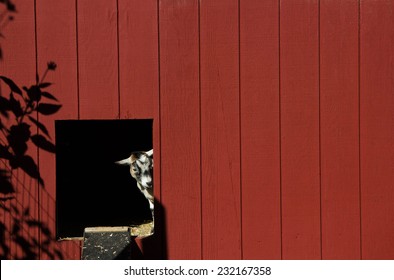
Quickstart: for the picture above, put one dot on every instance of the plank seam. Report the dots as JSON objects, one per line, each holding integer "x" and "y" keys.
{"x": 37, "y": 115}
{"x": 77, "y": 69}
{"x": 118, "y": 54}
{"x": 77, "y": 59}
{"x": 280, "y": 131}
{"x": 163, "y": 239}
{"x": 359, "y": 125}
{"x": 200, "y": 127}
{"x": 320, "y": 136}
{"x": 240, "y": 129}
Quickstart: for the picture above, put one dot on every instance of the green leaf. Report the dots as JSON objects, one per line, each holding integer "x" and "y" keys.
{"x": 12, "y": 85}
{"x": 42, "y": 143}
{"x": 48, "y": 109}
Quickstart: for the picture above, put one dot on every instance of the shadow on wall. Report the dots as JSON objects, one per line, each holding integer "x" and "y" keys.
{"x": 148, "y": 248}
{"x": 20, "y": 129}
{"x": 153, "y": 247}
{"x": 25, "y": 218}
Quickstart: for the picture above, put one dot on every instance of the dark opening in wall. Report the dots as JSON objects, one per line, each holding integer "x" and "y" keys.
{"x": 91, "y": 190}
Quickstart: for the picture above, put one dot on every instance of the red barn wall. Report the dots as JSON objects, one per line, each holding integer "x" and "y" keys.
{"x": 273, "y": 120}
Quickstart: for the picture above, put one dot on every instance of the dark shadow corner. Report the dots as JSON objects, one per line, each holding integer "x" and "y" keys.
{"x": 155, "y": 246}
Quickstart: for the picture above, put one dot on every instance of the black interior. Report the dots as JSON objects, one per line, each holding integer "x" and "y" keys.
{"x": 91, "y": 190}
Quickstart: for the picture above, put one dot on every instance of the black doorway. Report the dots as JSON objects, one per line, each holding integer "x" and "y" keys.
{"x": 91, "y": 190}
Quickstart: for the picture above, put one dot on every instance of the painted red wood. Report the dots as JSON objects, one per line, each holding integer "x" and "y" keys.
{"x": 377, "y": 129}
{"x": 299, "y": 66}
{"x": 138, "y": 58}
{"x": 281, "y": 148}
{"x": 98, "y": 59}
{"x": 56, "y": 38}
{"x": 139, "y": 90}
{"x": 19, "y": 64}
{"x": 261, "y": 228}
{"x": 339, "y": 129}
{"x": 180, "y": 127}
{"x": 220, "y": 141}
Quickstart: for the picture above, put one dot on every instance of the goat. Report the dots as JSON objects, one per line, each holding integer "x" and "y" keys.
{"x": 141, "y": 169}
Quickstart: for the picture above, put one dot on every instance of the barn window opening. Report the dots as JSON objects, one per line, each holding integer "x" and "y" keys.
{"x": 91, "y": 189}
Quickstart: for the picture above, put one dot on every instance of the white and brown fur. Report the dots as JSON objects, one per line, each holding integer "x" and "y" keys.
{"x": 141, "y": 169}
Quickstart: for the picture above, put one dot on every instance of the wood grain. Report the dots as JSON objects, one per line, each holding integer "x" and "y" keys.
{"x": 180, "y": 127}
{"x": 220, "y": 130}
{"x": 339, "y": 130}
{"x": 138, "y": 58}
{"x": 139, "y": 92}
{"x": 98, "y": 59}
{"x": 377, "y": 133}
{"x": 273, "y": 120}
{"x": 56, "y": 37}
{"x": 19, "y": 64}
{"x": 259, "y": 58}
{"x": 299, "y": 64}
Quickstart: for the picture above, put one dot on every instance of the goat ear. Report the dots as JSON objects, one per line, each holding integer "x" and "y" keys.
{"x": 126, "y": 161}
{"x": 149, "y": 153}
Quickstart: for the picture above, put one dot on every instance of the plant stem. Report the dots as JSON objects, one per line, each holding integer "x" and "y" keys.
{"x": 43, "y": 76}
{"x": 28, "y": 105}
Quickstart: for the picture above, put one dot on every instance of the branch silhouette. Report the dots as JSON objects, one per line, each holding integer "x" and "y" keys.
{"x": 6, "y": 16}
{"x": 20, "y": 112}
{"x": 20, "y": 128}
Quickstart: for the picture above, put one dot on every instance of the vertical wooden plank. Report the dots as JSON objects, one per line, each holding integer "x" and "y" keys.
{"x": 180, "y": 122}
{"x": 139, "y": 90}
{"x": 220, "y": 141}
{"x": 339, "y": 130}
{"x": 98, "y": 59}
{"x": 299, "y": 66}
{"x": 19, "y": 64}
{"x": 138, "y": 58}
{"x": 56, "y": 37}
{"x": 261, "y": 229}
{"x": 5, "y": 218}
{"x": 377, "y": 129}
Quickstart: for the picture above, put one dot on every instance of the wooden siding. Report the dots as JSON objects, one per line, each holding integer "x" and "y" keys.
{"x": 273, "y": 120}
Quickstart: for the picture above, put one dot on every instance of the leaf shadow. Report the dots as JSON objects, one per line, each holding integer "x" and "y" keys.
{"x": 21, "y": 129}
